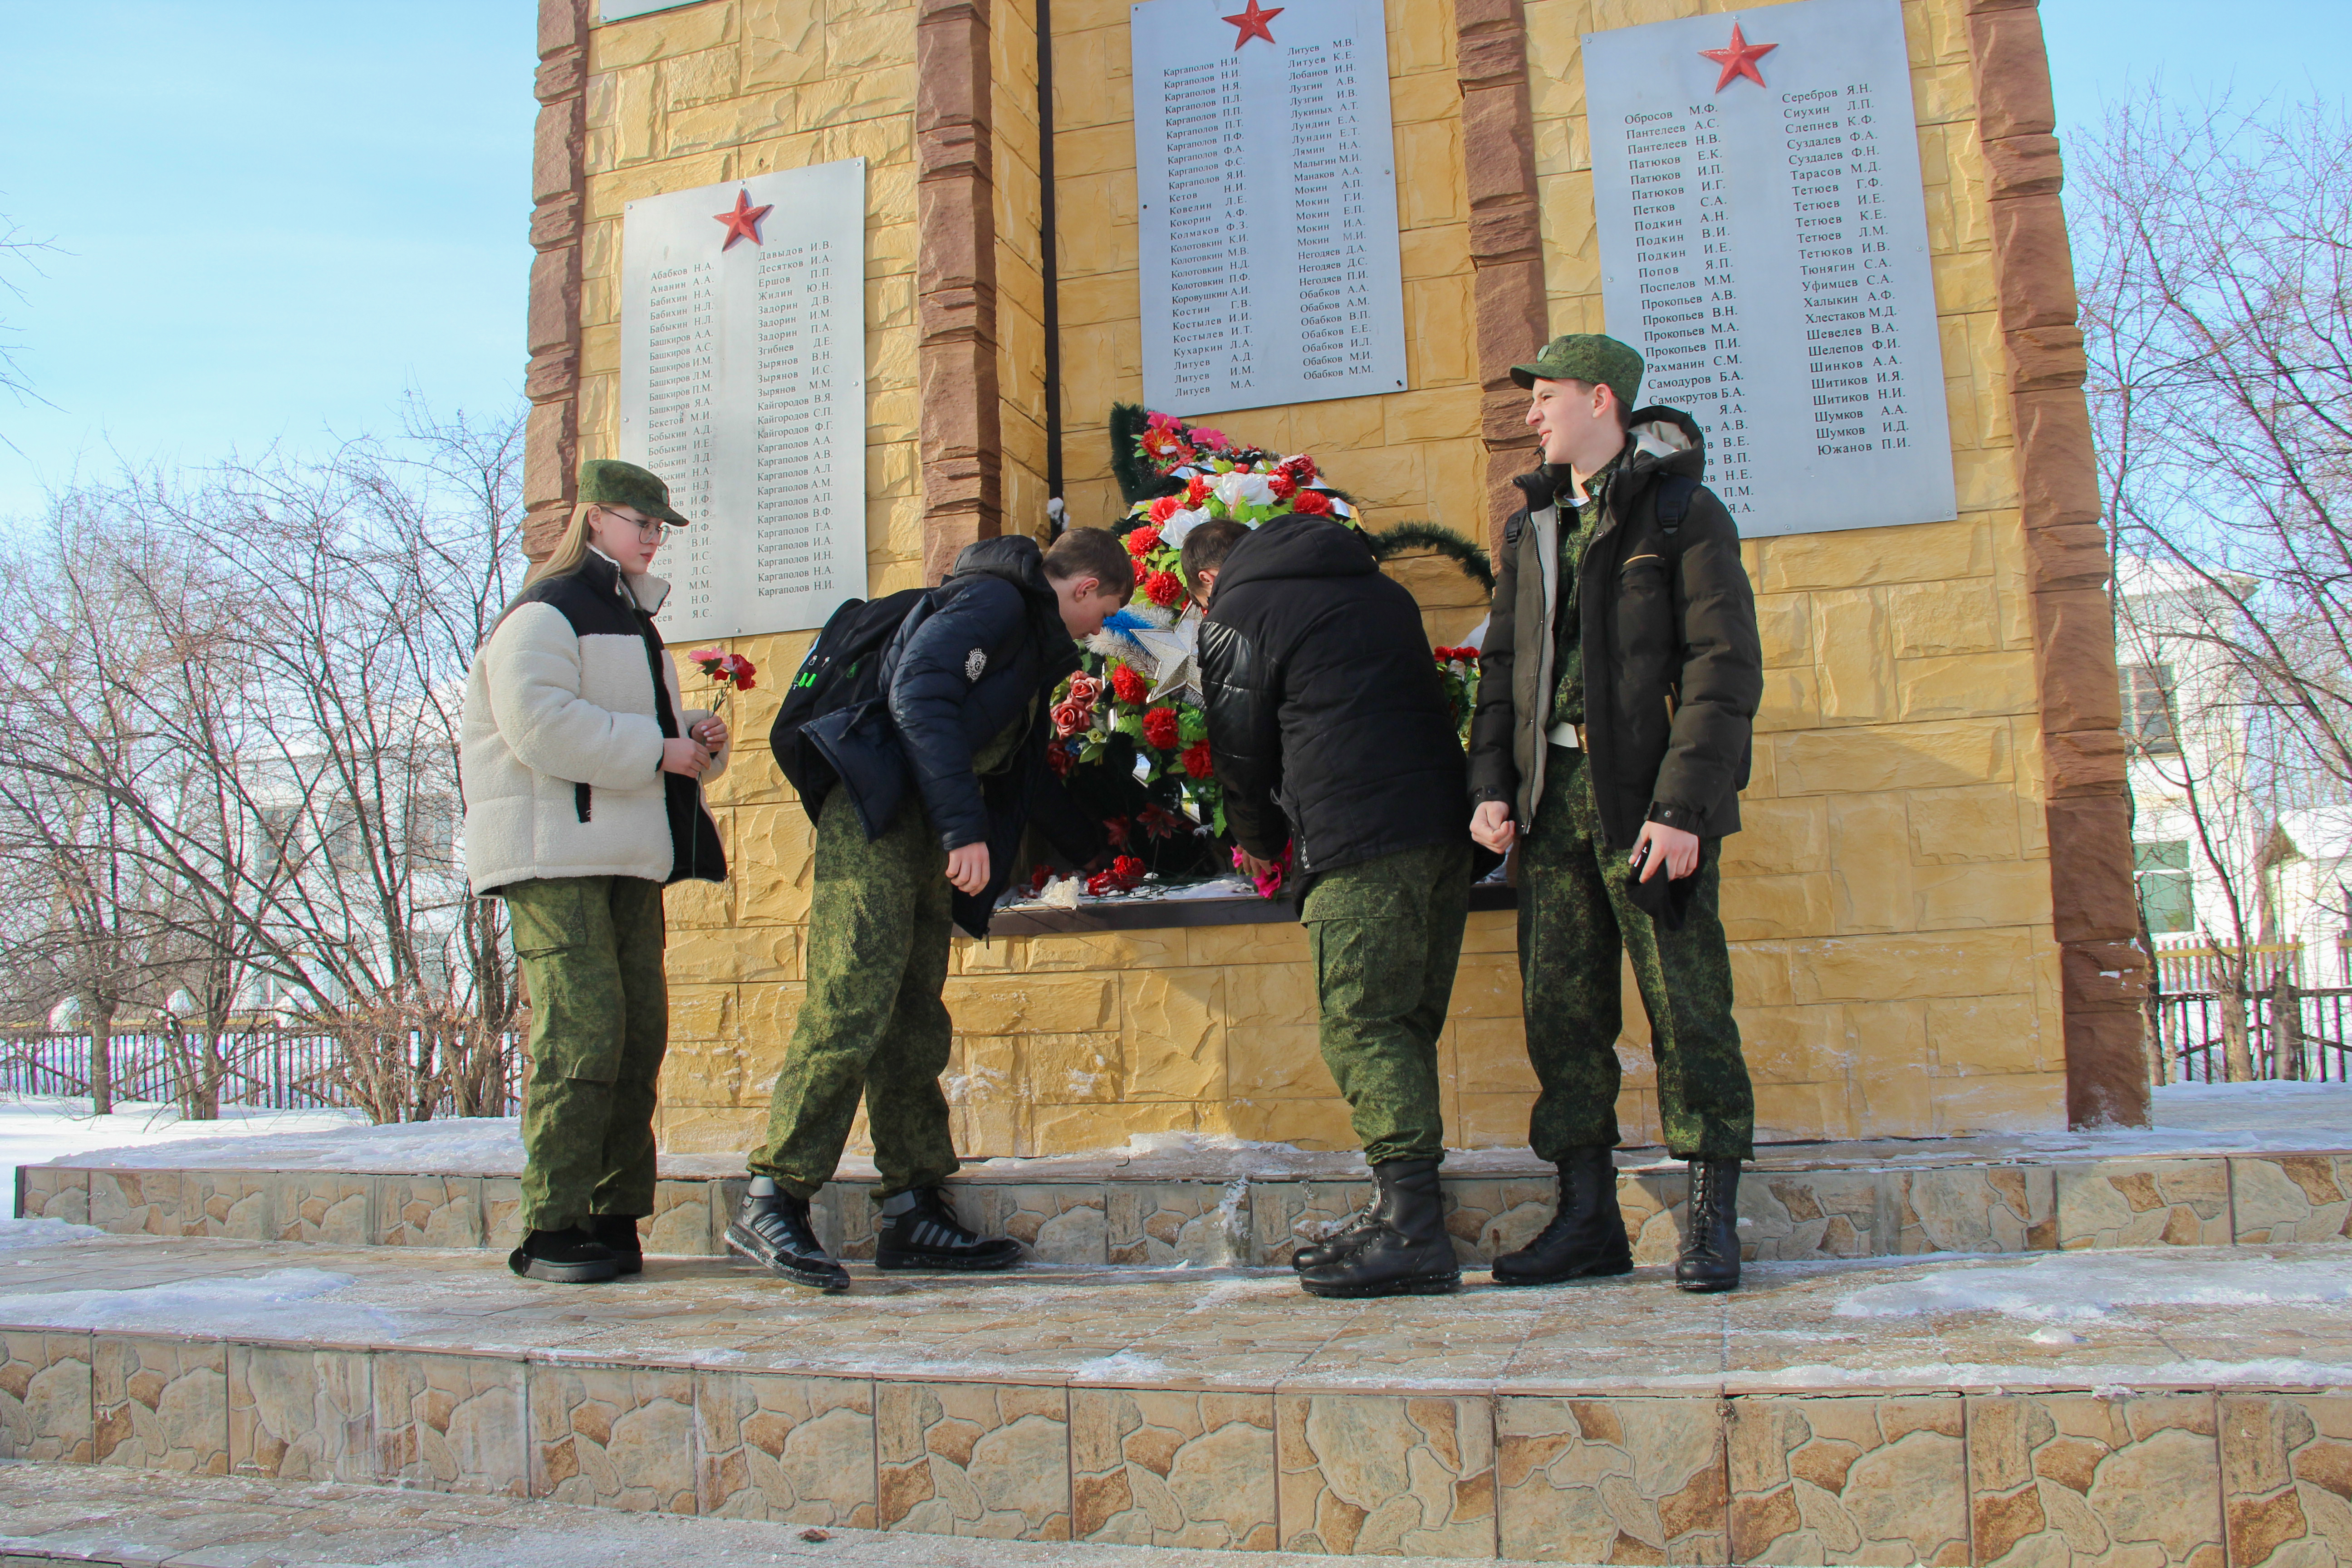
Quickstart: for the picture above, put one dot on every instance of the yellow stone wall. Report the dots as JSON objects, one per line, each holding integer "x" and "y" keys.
{"x": 1889, "y": 901}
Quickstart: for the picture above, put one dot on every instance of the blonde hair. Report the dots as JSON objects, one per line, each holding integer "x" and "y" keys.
{"x": 571, "y": 546}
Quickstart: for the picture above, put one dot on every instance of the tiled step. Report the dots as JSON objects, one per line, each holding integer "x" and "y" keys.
{"x": 1825, "y": 1412}
{"x": 1822, "y": 1201}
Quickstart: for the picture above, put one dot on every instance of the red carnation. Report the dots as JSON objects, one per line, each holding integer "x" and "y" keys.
{"x": 1128, "y": 686}
{"x": 1160, "y": 727}
{"x": 1281, "y": 484}
{"x": 1143, "y": 542}
{"x": 1039, "y": 879}
{"x": 1301, "y": 468}
{"x": 1313, "y": 503}
{"x": 1161, "y": 510}
{"x": 1197, "y": 761}
{"x": 1125, "y": 873}
{"x": 1164, "y": 589}
{"x": 1198, "y": 491}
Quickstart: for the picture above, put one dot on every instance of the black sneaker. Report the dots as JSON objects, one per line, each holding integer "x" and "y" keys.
{"x": 924, "y": 1233}
{"x": 771, "y": 1229}
{"x": 566, "y": 1256}
{"x": 618, "y": 1232}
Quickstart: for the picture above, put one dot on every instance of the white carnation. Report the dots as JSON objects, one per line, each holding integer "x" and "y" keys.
{"x": 1179, "y": 524}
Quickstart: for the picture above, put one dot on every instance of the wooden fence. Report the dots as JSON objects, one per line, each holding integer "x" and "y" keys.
{"x": 269, "y": 1068}
{"x": 2292, "y": 1031}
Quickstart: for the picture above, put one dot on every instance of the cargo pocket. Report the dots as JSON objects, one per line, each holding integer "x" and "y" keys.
{"x": 547, "y": 915}
{"x": 577, "y": 1013}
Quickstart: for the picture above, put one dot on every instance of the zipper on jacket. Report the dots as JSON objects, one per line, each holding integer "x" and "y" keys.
{"x": 580, "y": 801}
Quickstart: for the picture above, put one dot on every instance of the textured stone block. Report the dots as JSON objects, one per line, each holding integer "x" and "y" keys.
{"x": 792, "y": 1451}
{"x": 1848, "y": 1480}
{"x": 2290, "y": 1197}
{"x": 2286, "y": 1468}
{"x": 428, "y": 1211}
{"x": 680, "y": 1225}
{"x": 2143, "y": 1202}
{"x": 300, "y": 1415}
{"x": 2075, "y": 1476}
{"x": 160, "y": 1404}
{"x": 450, "y": 1423}
{"x": 1061, "y": 1222}
{"x": 1612, "y": 1481}
{"x": 1166, "y": 1223}
{"x": 1381, "y": 1475}
{"x": 325, "y": 1206}
{"x": 613, "y": 1436}
{"x": 1163, "y": 1468}
{"x": 44, "y": 1398}
{"x": 974, "y": 1459}
{"x": 47, "y": 1192}
{"x": 136, "y": 1203}
{"x": 1972, "y": 1209}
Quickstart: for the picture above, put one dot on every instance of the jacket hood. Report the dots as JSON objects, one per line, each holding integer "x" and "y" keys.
{"x": 1664, "y": 441}
{"x": 1014, "y": 558}
{"x": 1297, "y": 546}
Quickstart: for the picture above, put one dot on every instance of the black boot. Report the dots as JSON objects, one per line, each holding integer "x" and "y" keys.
{"x": 1337, "y": 1244}
{"x": 618, "y": 1232}
{"x": 1586, "y": 1237}
{"x": 1710, "y": 1260}
{"x": 919, "y": 1230}
{"x": 772, "y": 1228}
{"x": 1408, "y": 1252}
{"x": 566, "y": 1256}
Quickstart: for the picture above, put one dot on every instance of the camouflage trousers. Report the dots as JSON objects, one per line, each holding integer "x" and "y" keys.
{"x": 591, "y": 953}
{"x": 873, "y": 1023}
{"x": 1576, "y": 920}
{"x": 1387, "y": 939}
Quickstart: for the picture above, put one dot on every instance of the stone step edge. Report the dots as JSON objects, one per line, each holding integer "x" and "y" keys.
{"x": 276, "y": 1410}
{"x": 1806, "y": 1215}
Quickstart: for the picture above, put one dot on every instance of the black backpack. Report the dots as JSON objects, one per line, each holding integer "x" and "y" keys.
{"x": 843, "y": 669}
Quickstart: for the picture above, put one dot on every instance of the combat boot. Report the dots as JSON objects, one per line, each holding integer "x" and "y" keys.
{"x": 566, "y": 1256}
{"x": 1585, "y": 1237}
{"x": 919, "y": 1230}
{"x": 1337, "y": 1244}
{"x": 618, "y": 1232}
{"x": 772, "y": 1228}
{"x": 1710, "y": 1260}
{"x": 1407, "y": 1252}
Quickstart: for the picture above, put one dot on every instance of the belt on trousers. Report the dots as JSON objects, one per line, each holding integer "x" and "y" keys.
{"x": 1572, "y": 736}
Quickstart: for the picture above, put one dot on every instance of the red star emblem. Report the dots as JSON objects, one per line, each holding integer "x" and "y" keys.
{"x": 1253, "y": 23}
{"x": 1740, "y": 59}
{"x": 743, "y": 223}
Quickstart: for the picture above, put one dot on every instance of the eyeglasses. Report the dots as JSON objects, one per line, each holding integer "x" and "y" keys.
{"x": 649, "y": 528}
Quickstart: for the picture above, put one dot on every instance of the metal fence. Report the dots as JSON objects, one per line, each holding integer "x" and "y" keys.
{"x": 269, "y": 1068}
{"x": 2203, "y": 994}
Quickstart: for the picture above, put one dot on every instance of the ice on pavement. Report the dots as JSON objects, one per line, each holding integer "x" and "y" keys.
{"x": 2083, "y": 1287}
{"x": 17, "y": 1233}
{"x": 282, "y": 1304}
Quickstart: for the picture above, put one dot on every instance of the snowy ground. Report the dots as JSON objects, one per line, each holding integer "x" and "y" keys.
{"x": 37, "y": 1129}
{"x": 2189, "y": 1119}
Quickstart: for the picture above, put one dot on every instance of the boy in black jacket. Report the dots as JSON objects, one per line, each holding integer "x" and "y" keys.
{"x": 970, "y": 676}
{"x": 1331, "y": 733}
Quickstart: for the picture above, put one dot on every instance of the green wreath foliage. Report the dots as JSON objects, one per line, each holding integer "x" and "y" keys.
{"x": 1406, "y": 537}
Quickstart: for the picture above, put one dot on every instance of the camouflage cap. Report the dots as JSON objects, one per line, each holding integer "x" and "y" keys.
{"x": 1588, "y": 357}
{"x": 610, "y": 482}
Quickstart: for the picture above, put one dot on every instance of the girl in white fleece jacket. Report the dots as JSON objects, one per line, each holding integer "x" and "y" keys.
{"x": 583, "y": 799}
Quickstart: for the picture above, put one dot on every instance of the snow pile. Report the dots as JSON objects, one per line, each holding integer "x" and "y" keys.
{"x": 18, "y": 1232}
{"x": 333, "y": 1141}
{"x": 265, "y": 1305}
{"x": 2081, "y": 1287}
{"x": 37, "y": 1129}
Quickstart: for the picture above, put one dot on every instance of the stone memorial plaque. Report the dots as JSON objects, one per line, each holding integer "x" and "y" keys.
{"x": 1764, "y": 243}
{"x": 743, "y": 385}
{"x": 1267, "y": 170}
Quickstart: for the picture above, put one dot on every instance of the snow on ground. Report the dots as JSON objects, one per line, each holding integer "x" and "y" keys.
{"x": 17, "y": 1233}
{"x": 40, "y": 1128}
{"x": 2083, "y": 1287}
{"x": 281, "y": 1304}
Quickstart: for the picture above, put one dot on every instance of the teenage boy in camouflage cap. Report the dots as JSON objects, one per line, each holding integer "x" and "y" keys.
{"x": 1620, "y": 680}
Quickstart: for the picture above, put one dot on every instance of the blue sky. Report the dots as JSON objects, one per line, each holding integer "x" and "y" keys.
{"x": 274, "y": 216}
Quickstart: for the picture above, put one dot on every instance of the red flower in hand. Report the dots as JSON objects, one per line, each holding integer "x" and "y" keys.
{"x": 1160, "y": 727}
{"x": 1198, "y": 763}
{"x": 1313, "y": 503}
{"x": 1164, "y": 589}
{"x": 1128, "y": 686}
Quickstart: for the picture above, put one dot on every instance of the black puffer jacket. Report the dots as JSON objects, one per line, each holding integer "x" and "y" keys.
{"x": 1672, "y": 667}
{"x": 984, "y": 648}
{"x": 1327, "y": 716}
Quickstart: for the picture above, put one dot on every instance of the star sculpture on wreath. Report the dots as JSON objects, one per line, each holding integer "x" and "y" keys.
{"x": 1253, "y": 23}
{"x": 1738, "y": 59}
{"x": 743, "y": 222}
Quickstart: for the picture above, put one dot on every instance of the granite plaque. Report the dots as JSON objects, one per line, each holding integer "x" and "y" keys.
{"x": 743, "y": 385}
{"x": 1764, "y": 243}
{"x": 1266, "y": 171}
